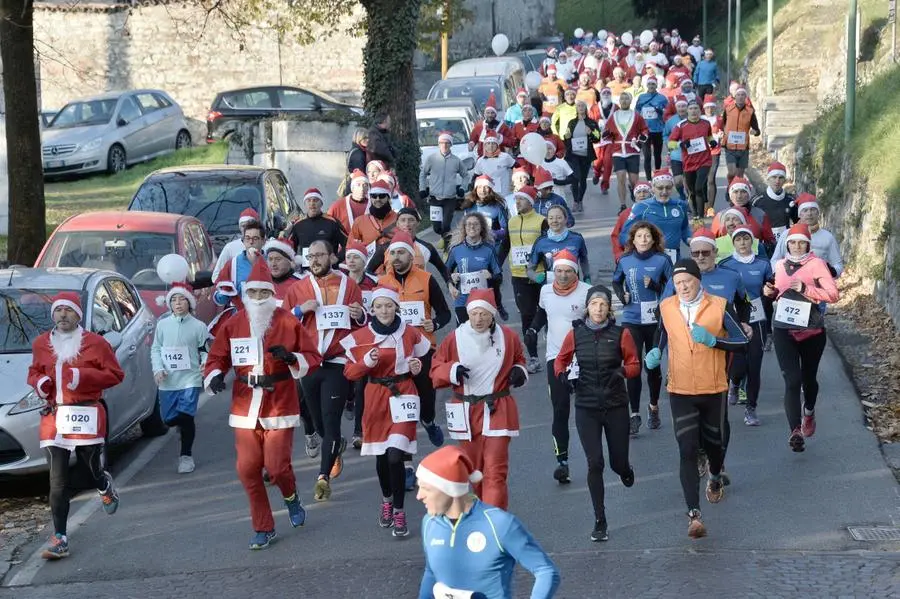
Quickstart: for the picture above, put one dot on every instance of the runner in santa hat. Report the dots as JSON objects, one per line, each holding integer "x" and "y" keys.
{"x": 489, "y": 541}
{"x": 399, "y": 200}
{"x": 229, "y": 283}
{"x": 561, "y": 172}
{"x": 374, "y": 169}
{"x": 603, "y": 149}
{"x": 652, "y": 105}
{"x": 777, "y": 203}
{"x": 439, "y": 184}
{"x": 70, "y": 369}
{"x": 490, "y": 123}
{"x": 738, "y": 121}
{"x": 268, "y": 350}
{"x": 824, "y": 245}
{"x": 551, "y": 91}
{"x": 627, "y": 131}
{"x": 546, "y": 197}
{"x": 730, "y": 220}
{"x": 486, "y": 200}
{"x": 528, "y": 124}
{"x": 642, "y": 191}
{"x": 377, "y": 225}
{"x": 709, "y": 115}
{"x": 329, "y": 306}
{"x": 481, "y": 360}
{"x": 513, "y": 114}
{"x": 350, "y": 207}
{"x": 472, "y": 262}
{"x": 314, "y": 226}
{"x": 235, "y": 246}
{"x": 281, "y": 260}
{"x": 739, "y": 192}
{"x": 177, "y": 356}
{"x": 694, "y": 136}
{"x": 521, "y": 178}
{"x": 495, "y": 163}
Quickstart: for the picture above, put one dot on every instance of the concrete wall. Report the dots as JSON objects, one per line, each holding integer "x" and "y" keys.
{"x": 517, "y": 19}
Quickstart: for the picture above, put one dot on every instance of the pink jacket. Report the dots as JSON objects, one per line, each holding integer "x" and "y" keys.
{"x": 818, "y": 283}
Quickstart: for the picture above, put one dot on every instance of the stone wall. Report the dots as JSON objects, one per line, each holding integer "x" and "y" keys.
{"x": 517, "y": 19}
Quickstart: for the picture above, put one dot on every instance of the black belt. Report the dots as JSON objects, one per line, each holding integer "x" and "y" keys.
{"x": 490, "y": 398}
{"x": 390, "y": 382}
{"x": 264, "y": 381}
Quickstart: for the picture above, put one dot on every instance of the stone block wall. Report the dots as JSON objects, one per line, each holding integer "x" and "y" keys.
{"x": 517, "y": 19}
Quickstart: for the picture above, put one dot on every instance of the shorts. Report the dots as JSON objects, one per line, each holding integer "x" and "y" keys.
{"x": 183, "y": 401}
{"x": 632, "y": 164}
{"x": 739, "y": 158}
{"x": 677, "y": 168}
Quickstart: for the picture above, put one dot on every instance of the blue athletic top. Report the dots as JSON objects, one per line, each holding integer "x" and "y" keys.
{"x": 656, "y": 101}
{"x": 671, "y": 218}
{"x": 630, "y": 273}
{"x": 544, "y": 249}
{"x": 542, "y": 205}
{"x": 465, "y": 258}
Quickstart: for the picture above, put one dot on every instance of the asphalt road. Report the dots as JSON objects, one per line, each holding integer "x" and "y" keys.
{"x": 780, "y": 531}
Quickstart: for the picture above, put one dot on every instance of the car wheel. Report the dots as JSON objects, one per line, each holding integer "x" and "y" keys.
{"x": 153, "y": 425}
{"x": 182, "y": 140}
{"x": 115, "y": 160}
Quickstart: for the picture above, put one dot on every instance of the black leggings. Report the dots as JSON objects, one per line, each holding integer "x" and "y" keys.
{"x": 581, "y": 167}
{"x": 695, "y": 185}
{"x": 753, "y": 358}
{"x": 591, "y": 424}
{"x": 561, "y": 402}
{"x": 60, "y": 494}
{"x": 444, "y": 228}
{"x": 528, "y": 295}
{"x": 358, "y": 388}
{"x": 799, "y": 363}
{"x": 325, "y": 392}
{"x": 654, "y": 142}
{"x": 392, "y": 475}
{"x": 693, "y": 417}
{"x": 643, "y": 340}
{"x": 185, "y": 422}
{"x": 305, "y": 416}
{"x": 425, "y": 388}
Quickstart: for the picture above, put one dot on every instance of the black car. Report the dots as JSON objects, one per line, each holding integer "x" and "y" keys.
{"x": 231, "y": 108}
{"x": 217, "y": 194}
{"x": 542, "y": 43}
{"x": 532, "y": 59}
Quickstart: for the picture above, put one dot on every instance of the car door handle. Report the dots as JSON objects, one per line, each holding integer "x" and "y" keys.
{"x": 132, "y": 350}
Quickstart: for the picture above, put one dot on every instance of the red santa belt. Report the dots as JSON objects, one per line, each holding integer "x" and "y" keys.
{"x": 390, "y": 381}
{"x": 264, "y": 381}
{"x": 489, "y": 398}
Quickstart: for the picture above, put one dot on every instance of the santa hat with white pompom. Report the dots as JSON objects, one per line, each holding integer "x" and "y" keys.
{"x": 448, "y": 470}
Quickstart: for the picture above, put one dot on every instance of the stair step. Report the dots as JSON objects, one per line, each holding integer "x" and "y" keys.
{"x": 788, "y": 105}
{"x": 783, "y": 119}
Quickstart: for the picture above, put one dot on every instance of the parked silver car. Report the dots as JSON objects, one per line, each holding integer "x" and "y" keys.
{"x": 113, "y": 308}
{"x": 456, "y": 116}
{"x": 108, "y": 132}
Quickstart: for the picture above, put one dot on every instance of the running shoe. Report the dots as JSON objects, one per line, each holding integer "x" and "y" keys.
{"x": 503, "y": 313}
{"x": 57, "y": 548}
{"x": 600, "y": 532}
{"x": 595, "y": 179}
{"x": 622, "y": 208}
{"x": 750, "y": 418}
{"x": 261, "y": 540}
{"x": 634, "y": 425}
{"x": 710, "y": 213}
{"x": 702, "y": 463}
{"x": 732, "y": 394}
{"x": 356, "y": 441}
{"x": 604, "y": 192}
{"x": 110, "y": 497}
{"x": 742, "y": 397}
{"x": 400, "y": 528}
{"x": 723, "y": 476}
{"x": 386, "y": 519}
{"x": 296, "y": 513}
{"x": 628, "y": 478}
{"x": 435, "y": 434}
{"x": 338, "y": 465}
{"x": 561, "y": 474}
{"x": 534, "y": 365}
{"x": 696, "y": 530}
{"x": 808, "y": 428}
{"x": 185, "y": 464}
{"x": 579, "y": 207}
{"x": 768, "y": 345}
{"x": 313, "y": 442}
{"x": 653, "y": 421}
{"x": 322, "y": 490}
{"x": 796, "y": 441}
{"x": 715, "y": 490}
{"x": 348, "y": 410}
{"x": 410, "y": 478}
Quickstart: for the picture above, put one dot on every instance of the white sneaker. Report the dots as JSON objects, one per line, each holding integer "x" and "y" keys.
{"x": 185, "y": 464}
{"x": 312, "y": 445}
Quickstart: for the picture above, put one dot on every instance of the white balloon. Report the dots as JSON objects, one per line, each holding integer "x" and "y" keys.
{"x": 579, "y": 32}
{"x": 627, "y": 38}
{"x": 601, "y": 35}
{"x": 646, "y": 37}
{"x": 533, "y": 80}
{"x": 172, "y": 268}
{"x": 500, "y": 44}
{"x": 533, "y": 148}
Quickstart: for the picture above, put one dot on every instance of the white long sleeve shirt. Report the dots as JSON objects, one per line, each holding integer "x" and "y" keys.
{"x": 824, "y": 245}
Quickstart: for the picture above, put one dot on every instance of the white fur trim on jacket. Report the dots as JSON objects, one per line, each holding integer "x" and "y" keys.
{"x": 40, "y": 387}
{"x": 75, "y": 377}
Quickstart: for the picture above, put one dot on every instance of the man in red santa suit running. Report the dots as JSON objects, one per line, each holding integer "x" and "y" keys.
{"x": 481, "y": 360}
{"x": 269, "y": 351}
{"x": 70, "y": 369}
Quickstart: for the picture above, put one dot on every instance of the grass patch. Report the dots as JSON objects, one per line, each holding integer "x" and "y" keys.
{"x": 593, "y": 15}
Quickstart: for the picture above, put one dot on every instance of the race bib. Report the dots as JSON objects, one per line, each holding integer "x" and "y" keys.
{"x": 648, "y": 312}
{"x": 458, "y": 420}
{"x": 244, "y": 351}
{"x": 304, "y": 257}
{"x": 471, "y": 280}
{"x": 579, "y": 144}
{"x": 367, "y": 300}
{"x": 334, "y": 316}
{"x": 442, "y": 591}
{"x": 518, "y": 255}
{"x": 436, "y": 214}
{"x": 176, "y": 357}
{"x": 648, "y": 113}
{"x": 757, "y": 314}
{"x": 776, "y": 231}
{"x": 370, "y": 251}
{"x": 412, "y": 313}
{"x": 696, "y": 145}
{"x": 792, "y": 312}
{"x": 672, "y": 254}
{"x": 404, "y": 408}
{"x": 76, "y": 420}
{"x": 574, "y": 370}
{"x": 737, "y": 138}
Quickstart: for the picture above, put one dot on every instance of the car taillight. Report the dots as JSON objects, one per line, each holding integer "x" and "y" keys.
{"x": 213, "y": 115}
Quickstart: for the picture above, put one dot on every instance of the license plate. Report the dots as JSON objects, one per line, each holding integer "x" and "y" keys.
{"x": 55, "y": 163}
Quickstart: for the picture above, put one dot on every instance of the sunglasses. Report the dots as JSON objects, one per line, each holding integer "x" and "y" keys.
{"x": 379, "y": 196}
{"x": 703, "y": 253}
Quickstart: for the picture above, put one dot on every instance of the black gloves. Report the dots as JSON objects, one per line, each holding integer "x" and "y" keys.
{"x": 280, "y": 353}
{"x": 460, "y": 192}
{"x": 517, "y": 377}
{"x": 713, "y": 143}
{"x": 462, "y": 372}
{"x": 217, "y": 384}
{"x": 423, "y": 193}
{"x": 683, "y": 144}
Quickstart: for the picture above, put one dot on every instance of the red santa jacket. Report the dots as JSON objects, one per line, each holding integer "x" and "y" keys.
{"x": 282, "y": 286}
{"x": 479, "y": 131}
{"x": 358, "y": 345}
{"x": 80, "y": 381}
{"x": 625, "y": 140}
{"x": 757, "y": 221}
{"x": 275, "y": 407}
{"x": 346, "y": 210}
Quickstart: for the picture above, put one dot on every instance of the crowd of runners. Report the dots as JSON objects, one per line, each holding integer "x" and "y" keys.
{"x": 339, "y": 320}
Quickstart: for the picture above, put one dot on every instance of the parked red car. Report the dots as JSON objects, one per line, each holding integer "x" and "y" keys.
{"x": 131, "y": 244}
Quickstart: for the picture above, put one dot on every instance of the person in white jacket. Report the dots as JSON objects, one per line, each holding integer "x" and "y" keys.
{"x": 495, "y": 164}
{"x": 236, "y": 246}
{"x": 561, "y": 171}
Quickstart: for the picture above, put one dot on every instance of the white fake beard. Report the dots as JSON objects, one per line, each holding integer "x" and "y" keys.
{"x": 259, "y": 314}
{"x": 66, "y": 346}
{"x": 481, "y": 340}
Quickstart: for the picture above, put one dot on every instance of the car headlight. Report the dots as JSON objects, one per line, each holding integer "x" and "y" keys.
{"x": 29, "y": 403}
{"x": 91, "y": 145}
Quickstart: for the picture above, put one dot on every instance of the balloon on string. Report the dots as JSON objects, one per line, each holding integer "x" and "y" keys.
{"x": 579, "y": 33}
{"x": 533, "y": 148}
{"x": 500, "y": 44}
{"x": 172, "y": 268}
{"x": 601, "y": 35}
{"x": 646, "y": 37}
{"x": 627, "y": 38}
{"x": 533, "y": 80}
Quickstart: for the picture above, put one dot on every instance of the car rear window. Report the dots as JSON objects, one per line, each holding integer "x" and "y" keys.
{"x": 24, "y": 314}
{"x": 429, "y": 129}
{"x": 244, "y": 100}
{"x": 478, "y": 92}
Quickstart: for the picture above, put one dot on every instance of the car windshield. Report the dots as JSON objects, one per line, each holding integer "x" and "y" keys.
{"x": 24, "y": 314}
{"x": 479, "y": 92}
{"x": 216, "y": 201}
{"x": 83, "y": 114}
{"x": 429, "y": 129}
{"x": 133, "y": 255}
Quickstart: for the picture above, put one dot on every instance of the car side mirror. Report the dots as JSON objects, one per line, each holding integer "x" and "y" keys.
{"x": 202, "y": 279}
{"x": 114, "y": 338}
{"x": 121, "y": 122}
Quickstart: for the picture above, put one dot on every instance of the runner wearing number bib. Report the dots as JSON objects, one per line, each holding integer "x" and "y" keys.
{"x": 70, "y": 369}
{"x": 229, "y": 283}
{"x": 580, "y": 135}
{"x": 177, "y": 356}
{"x": 389, "y": 353}
{"x": 776, "y": 203}
{"x": 738, "y": 122}
{"x": 695, "y": 138}
{"x": 638, "y": 282}
{"x": 315, "y": 225}
{"x": 664, "y": 211}
{"x": 484, "y": 200}
{"x": 377, "y": 225}
{"x": 652, "y": 106}
{"x": 473, "y": 252}
{"x": 802, "y": 280}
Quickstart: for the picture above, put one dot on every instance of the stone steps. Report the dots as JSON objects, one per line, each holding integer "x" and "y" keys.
{"x": 788, "y": 102}
{"x": 786, "y": 118}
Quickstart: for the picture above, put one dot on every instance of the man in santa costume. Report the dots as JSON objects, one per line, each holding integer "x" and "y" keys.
{"x": 281, "y": 259}
{"x": 481, "y": 360}
{"x": 70, "y": 370}
{"x": 269, "y": 351}
{"x": 603, "y": 149}
{"x": 328, "y": 305}
{"x": 248, "y": 217}
{"x": 235, "y": 272}
{"x": 347, "y": 209}
{"x": 490, "y": 123}
{"x": 627, "y": 131}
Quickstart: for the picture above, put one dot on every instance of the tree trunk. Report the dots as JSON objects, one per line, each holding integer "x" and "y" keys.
{"x": 389, "y": 86}
{"x": 27, "y": 229}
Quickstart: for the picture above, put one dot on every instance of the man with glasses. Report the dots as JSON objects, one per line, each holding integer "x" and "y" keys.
{"x": 670, "y": 215}
{"x": 376, "y": 227}
{"x": 316, "y": 225}
{"x": 229, "y": 283}
{"x": 440, "y": 181}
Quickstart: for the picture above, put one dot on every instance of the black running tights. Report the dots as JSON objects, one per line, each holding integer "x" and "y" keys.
{"x": 60, "y": 494}
{"x": 591, "y": 424}
{"x": 392, "y": 475}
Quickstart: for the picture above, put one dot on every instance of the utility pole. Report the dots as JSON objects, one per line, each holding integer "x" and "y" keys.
{"x": 850, "y": 106}
{"x": 705, "y": 41}
{"x": 728, "y": 45}
{"x": 445, "y": 38}
{"x": 737, "y": 35}
{"x": 892, "y": 19}
{"x": 770, "y": 49}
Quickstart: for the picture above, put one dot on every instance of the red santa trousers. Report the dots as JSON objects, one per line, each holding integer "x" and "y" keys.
{"x": 490, "y": 455}
{"x": 258, "y": 448}
{"x": 603, "y": 165}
